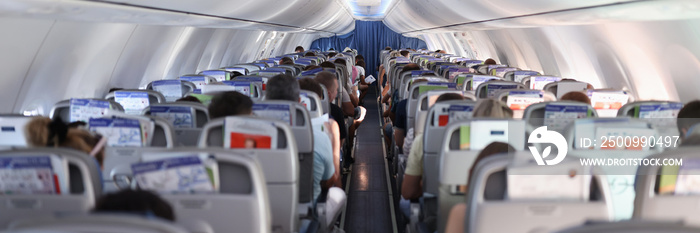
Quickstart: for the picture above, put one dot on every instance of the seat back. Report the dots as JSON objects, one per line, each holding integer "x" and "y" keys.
{"x": 414, "y": 96}
{"x": 187, "y": 119}
{"x": 596, "y": 138}
{"x": 491, "y": 88}
{"x": 557, "y": 115}
{"x": 219, "y": 75}
{"x": 172, "y": 89}
{"x": 107, "y": 223}
{"x": 240, "y": 69}
{"x": 65, "y": 181}
{"x": 501, "y": 71}
{"x": 226, "y": 190}
{"x": 134, "y": 100}
{"x": 664, "y": 192}
{"x": 278, "y": 158}
{"x": 607, "y": 101}
{"x": 518, "y": 100}
{"x": 84, "y": 109}
{"x": 518, "y": 75}
{"x": 469, "y": 82}
{"x": 427, "y": 100}
{"x": 461, "y": 143}
{"x": 501, "y": 189}
{"x": 12, "y": 131}
{"x": 661, "y": 114}
{"x": 439, "y": 115}
{"x": 486, "y": 69}
{"x": 312, "y": 103}
{"x": 560, "y": 88}
{"x": 198, "y": 80}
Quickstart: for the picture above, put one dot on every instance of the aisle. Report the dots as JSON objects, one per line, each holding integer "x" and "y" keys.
{"x": 368, "y": 207}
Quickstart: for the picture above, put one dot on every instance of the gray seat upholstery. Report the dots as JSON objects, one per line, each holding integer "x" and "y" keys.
{"x": 535, "y": 113}
{"x": 12, "y": 133}
{"x": 186, "y": 136}
{"x": 632, "y": 226}
{"x": 280, "y": 167}
{"x": 79, "y": 184}
{"x": 491, "y": 87}
{"x": 153, "y": 96}
{"x": 187, "y": 86}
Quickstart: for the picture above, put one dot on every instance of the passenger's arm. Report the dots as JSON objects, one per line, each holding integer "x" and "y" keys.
{"x": 348, "y": 109}
{"x": 334, "y": 133}
{"x": 398, "y": 137}
{"x": 455, "y": 221}
{"x": 411, "y": 187}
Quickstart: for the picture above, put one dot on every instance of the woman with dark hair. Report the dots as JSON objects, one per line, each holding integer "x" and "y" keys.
{"x": 44, "y": 132}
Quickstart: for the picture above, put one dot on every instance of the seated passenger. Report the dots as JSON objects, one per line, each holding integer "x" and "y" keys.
{"x": 689, "y": 116}
{"x": 405, "y": 53}
{"x": 188, "y": 98}
{"x": 329, "y": 80}
{"x": 411, "y": 187}
{"x": 333, "y": 131}
{"x": 286, "y": 61}
{"x": 299, "y": 49}
{"x": 230, "y": 103}
{"x": 285, "y": 87}
{"x": 44, "y": 132}
{"x": 361, "y": 84}
{"x": 492, "y": 108}
{"x": 490, "y": 62}
{"x": 455, "y": 221}
{"x": 138, "y": 202}
{"x": 327, "y": 64}
{"x": 576, "y": 96}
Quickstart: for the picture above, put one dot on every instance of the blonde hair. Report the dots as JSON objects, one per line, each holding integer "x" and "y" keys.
{"x": 492, "y": 108}
{"x": 38, "y": 134}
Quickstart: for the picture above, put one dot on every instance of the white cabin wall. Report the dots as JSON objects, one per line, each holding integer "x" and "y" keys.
{"x": 61, "y": 59}
{"x": 655, "y": 60}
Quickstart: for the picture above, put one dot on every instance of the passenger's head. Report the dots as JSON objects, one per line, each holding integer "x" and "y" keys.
{"x": 491, "y": 149}
{"x": 235, "y": 74}
{"x": 230, "y": 103}
{"x": 410, "y": 66}
{"x": 448, "y": 97}
{"x": 404, "y": 53}
{"x": 490, "y": 62}
{"x": 359, "y": 57}
{"x": 576, "y": 96}
{"x": 328, "y": 80}
{"x": 311, "y": 67}
{"x": 188, "y": 98}
{"x": 340, "y": 61}
{"x": 361, "y": 63}
{"x": 282, "y": 87}
{"x": 299, "y": 49}
{"x": 327, "y": 64}
{"x": 139, "y": 202}
{"x": 688, "y": 116}
{"x": 44, "y": 132}
{"x": 394, "y": 54}
{"x": 387, "y": 48}
{"x": 286, "y": 61}
{"x": 311, "y": 85}
{"x": 492, "y": 108}
{"x": 332, "y": 54}
{"x": 309, "y": 54}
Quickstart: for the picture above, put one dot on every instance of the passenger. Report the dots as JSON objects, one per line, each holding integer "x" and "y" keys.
{"x": 230, "y": 103}
{"x": 405, "y": 53}
{"x": 311, "y": 67}
{"x": 327, "y": 64}
{"x": 188, "y": 98}
{"x": 236, "y": 74}
{"x": 286, "y": 61}
{"x": 576, "y": 96}
{"x": 115, "y": 89}
{"x": 329, "y": 80}
{"x": 309, "y": 54}
{"x": 490, "y": 62}
{"x": 332, "y": 54}
{"x": 492, "y": 108}
{"x": 359, "y": 57}
{"x": 333, "y": 131}
{"x": 139, "y": 202}
{"x": 411, "y": 187}
{"x": 455, "y": 221}
{"x": 44, "y": 132}
{"x": 299, "y": 49}
{"x": 285, "y": 87}
{"x": 398, "y": 110}
{"x": 688, "y": 116}
{"x": 362, "y": 85}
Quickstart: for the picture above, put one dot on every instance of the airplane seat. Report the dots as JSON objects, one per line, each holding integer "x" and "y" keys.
{"x": 220, "y": 181}
{"x": 608, "y": 101}
{"x": 661, "y": 114}
{"x": 501, "y": 71}
{"x": 557, "y": 115}
{"x": 501, "y": 190}
{"x": 418, "y": 90}
{"x": 518, "y": 75}
{"x": 198, "y": 80}
{"x": 108, "y": 223}
{"x": 460, "y": 145}
{"x": 12, "y": 131}
{"x": 237, "y": 68}
{"x": 519, "y": 100}
{"x": 427, "y": 100}
{"x": 471, "y": 82}
{"x": 185, "y": 87}
{"x": 275, "y": 146}
{"x": 490, "y": 88}
{"x": 187, "y": 119}
{"x": 331, "y": 209}
{"x": 312, "y": 102}
{"x": 594, "y": 138}
{"x": 632, "y": 226}
{"x": 663, "y": 193}
{"x": 219, "y": 74}
{"x": 127, "y": 98}
{"x": 560, "y": 88}
{"x": 325, "y": 102}
{"x": 66, "y": 181}
{"x": 62, "y": 108}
